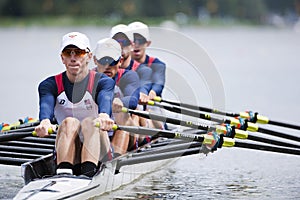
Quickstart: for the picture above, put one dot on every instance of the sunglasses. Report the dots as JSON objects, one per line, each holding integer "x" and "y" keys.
{"x": 108, "y": 61}
{"x": 123, "y": 42}
{"x": 75, "y": 52}
{"x": 139, "y": 40}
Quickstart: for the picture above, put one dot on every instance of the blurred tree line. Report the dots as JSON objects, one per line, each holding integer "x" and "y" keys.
{"x": 118, "y": 10}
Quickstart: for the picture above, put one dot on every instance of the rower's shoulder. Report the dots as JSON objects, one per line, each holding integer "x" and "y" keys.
{"x": 104, "y": 80}
{"x": 158, "y": 61}
{"x": 155, "y": 60}
{"x": 48, "y": 82}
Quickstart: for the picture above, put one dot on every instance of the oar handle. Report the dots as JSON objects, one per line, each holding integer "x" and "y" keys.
{"x": 50, "y": 131}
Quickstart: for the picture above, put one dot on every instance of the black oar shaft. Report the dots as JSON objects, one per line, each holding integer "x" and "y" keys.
{"x": 14, "y": 136}
{"x": 208, "y": 117}
{"x": 171, "y": 120}
{"x": 200, "y": 108}
{"x": 267, "y": 148}
{"x": 168, "y": 148}
{"x": 27, "y": 144}
{"x": 13, "y": 161}
{"x": 46, "y": 140}
{"x": 26, "y": 129}
{"x": 283, "y": 124}
{"x": 22, "y": 126}
{"x": 184, "y": 111}
{"x": 25, "y": 150}
{"x": 278, "y": 134}
{"x": 157, "y": 157}
{"x": 162, "y": 133}
{"x": 270, "y": 141}
{"x": 258, "y": 118}
{"x": 19, "y": 155}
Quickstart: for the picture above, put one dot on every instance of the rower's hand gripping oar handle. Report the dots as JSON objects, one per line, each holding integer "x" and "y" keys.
{"x": 50, "y": 131}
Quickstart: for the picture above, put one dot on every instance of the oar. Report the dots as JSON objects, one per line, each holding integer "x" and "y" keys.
{"x": 28, "y": 150}
{"x": 27, "y": 144}
{"x": 13, "y": 161}
{"x": 161, "y": 154}
{"x": 228, "y": 142}
{"x": 205, "y": 139}
{"x": 182, "y": 110}
{"x": 47, "y": 140}
{"x": 19, "y": 125}
{"x": 19, "y": 155}
{"x": 18, "y": 134}
{"x": 169, "y": 146}
{"x": 227, "y": 130}
{"x": 253, "y": 117}
{"x": 240, "y": 123}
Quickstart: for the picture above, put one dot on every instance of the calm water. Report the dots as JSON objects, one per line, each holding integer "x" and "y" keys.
{"x": 259, "y": 70}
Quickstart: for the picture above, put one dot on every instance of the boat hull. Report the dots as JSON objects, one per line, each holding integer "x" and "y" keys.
{"x": 80, "y": 187}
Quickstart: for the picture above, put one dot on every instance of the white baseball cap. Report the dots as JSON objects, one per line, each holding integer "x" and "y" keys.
{"x": 77, "y": 39}
{"x": 122, "y": 28}
{"x": 140, "y": 28}
{"x": 108, "y": 47}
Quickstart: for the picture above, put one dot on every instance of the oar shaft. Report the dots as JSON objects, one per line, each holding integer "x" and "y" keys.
{"x": 14, "y": 136}
{"x": 220, "y": 129}
{"x": 284, "y": 124}
{"x": 200, "y": 108}
{"x": 168, "y": 148}
{"x": 21, "y": 126}
{"x": 250, "y": 126}
{"x": 19, "y": 155}
{"x": 171, "y": 120}
{"x": 161, "y": 133}
{"x": 274, "y": 142}
{"x": 13, "y": 161}
{"x": 256, "y": 118}
{"x": 28, "y": 144}
{"x": 18, "y": 134}
{"x": 180, "y": 110}
{"x": 47, "y": 140}
{"x": 25, "y": 150}
{"x": 278, "y": 134}
{"x": 267, "y": 148}
{"x": 156, "y": 157}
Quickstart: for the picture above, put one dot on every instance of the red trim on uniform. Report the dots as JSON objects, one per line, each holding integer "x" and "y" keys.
{"x": 59, "y": 83}
{"x": 135, "y": 65}
{"x": 151, "y": 59}
{"x": 91, "y": 81}
{"x": 120, "y": 74}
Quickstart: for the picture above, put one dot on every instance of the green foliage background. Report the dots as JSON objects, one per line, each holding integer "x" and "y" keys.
{"x": 107, "y": 12}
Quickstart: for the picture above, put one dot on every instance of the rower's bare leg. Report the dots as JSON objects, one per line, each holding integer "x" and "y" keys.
{"x": 121, "y": 138}
{"x": 134, "y": 138}
{"x": 105, "y": 148}
{"x": 91, "y": 148}
{"x": 66, "y": 143}
{"x": 91, "y": 143}
{"x": 120, "y": 142}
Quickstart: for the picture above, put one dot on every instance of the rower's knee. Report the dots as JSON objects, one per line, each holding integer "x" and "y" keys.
{"x": 69, "y": 127}
{"x": 87, "y": 126}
